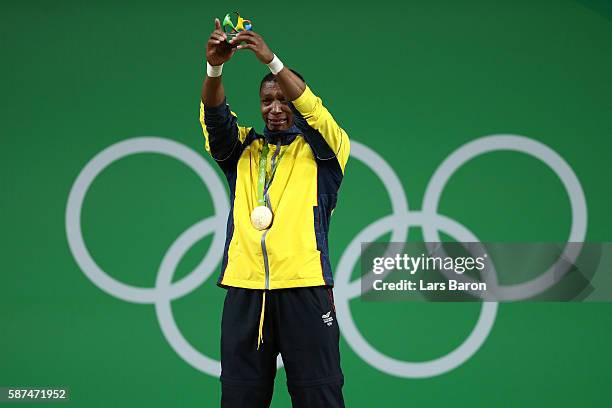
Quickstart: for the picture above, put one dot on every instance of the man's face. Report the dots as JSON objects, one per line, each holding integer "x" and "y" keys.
{"x": 274, "y": 107}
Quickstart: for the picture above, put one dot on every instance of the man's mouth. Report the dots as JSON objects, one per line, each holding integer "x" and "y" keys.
{"x": 277, "y": 122}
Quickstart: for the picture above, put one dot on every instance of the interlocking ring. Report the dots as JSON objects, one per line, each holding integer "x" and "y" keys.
{"x": 398, "y": 223}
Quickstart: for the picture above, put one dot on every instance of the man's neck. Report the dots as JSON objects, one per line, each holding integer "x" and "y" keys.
{"x": 273, "y": 136}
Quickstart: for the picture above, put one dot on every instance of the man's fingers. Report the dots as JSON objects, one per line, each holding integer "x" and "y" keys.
{"x": 246, "y": 40}
{"x": 217, "y": 36}
{"x": 252, "y": 34}
{"x": 216, "y": 40}
{"x": 243, "y": 35}
{"x": 246, "y": 47}
{"x": 217, "y": 29}
{"x": 237, "y": 40}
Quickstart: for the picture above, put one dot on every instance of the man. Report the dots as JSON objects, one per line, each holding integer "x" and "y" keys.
{"x": 283, "y": 188}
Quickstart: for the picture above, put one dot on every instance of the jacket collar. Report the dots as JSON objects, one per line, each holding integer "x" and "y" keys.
{"x": 284, "y": 136}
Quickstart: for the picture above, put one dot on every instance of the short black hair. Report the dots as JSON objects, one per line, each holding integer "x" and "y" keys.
{"x": 272, "y": 78}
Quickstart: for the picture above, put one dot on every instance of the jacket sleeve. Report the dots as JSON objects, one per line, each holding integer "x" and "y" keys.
{"x": 311, "y": 109}
{"x": 222, "y": 135}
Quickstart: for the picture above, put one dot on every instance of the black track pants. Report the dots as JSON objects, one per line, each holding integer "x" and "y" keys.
{"x": 300, "y": 324}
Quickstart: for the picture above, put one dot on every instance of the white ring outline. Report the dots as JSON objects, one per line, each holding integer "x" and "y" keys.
{"x": 549, "y": 157}
{"x": 360, "y": 345}
{"x": 165, "y": 291}
{"x": 77, "y": 194}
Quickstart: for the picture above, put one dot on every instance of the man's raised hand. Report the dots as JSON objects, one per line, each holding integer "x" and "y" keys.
{"x": 218, "y": 51}
{"x": 255, "y": 43}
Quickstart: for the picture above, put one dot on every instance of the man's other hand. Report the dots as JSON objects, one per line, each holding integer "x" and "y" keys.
{"x": 254, "y": 42}
{"x": 218, "y": 50}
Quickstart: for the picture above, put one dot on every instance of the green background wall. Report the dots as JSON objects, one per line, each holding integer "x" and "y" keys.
{"x": 78, "y": 77}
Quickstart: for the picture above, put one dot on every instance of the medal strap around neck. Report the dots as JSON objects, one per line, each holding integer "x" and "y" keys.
{"x": 262, "y": 183}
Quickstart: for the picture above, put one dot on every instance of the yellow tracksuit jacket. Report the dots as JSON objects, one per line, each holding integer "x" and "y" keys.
{"x": 293, "y": 252}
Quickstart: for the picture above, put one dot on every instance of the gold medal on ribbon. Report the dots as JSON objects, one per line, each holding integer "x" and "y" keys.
{"x": 261, "y": 217}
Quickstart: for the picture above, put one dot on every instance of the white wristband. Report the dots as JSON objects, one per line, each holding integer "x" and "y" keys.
{"x": 275, "y": 65}
{"x": 213, "y": 70}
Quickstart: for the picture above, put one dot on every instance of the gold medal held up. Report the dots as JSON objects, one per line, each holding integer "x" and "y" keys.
{"x": 261, "y": 217}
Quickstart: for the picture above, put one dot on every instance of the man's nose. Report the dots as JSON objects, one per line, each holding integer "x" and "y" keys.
{"x": 276, "y": 107}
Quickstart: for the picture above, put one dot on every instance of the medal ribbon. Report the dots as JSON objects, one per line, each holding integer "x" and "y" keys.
{"x": 263, "y": 184}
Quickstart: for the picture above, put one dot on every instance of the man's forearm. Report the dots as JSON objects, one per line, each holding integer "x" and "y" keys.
{"x": 213, "y": 93}
{"x": 291, "y": 85}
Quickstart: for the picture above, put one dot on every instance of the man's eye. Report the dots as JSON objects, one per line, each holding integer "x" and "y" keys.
{"x": 267, "y": 102}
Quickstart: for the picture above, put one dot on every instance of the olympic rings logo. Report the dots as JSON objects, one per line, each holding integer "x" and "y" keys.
{"x": 398, "y": 223}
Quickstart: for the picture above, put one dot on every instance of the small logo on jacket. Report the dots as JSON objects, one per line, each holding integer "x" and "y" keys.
{"x": 327, "y": 319}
